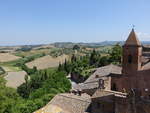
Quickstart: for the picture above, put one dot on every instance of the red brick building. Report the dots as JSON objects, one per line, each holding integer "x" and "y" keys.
{"x": 112, "y": 88}
{"x": 135, "y": 73}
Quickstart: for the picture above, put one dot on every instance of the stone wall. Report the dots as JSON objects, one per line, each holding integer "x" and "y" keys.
{"x": 139, "y": 82}
{"x": 103, "y": 105}
{"x": 132, "y": 105}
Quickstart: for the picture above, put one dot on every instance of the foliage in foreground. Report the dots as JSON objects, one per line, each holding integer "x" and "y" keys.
{"x": 37, "y": 91}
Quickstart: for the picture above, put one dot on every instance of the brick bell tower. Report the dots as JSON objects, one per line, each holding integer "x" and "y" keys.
{"x": 132, "y": 55}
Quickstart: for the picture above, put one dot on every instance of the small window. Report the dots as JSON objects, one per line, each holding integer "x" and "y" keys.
{"x": 101, "y": 83}
{"x": 129, "y": 59}
{"x": 114, "y": 87}
{"x": 97, "y": 76}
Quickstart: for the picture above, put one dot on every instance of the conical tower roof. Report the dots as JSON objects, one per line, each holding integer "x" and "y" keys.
{"x": 132, "y": 39}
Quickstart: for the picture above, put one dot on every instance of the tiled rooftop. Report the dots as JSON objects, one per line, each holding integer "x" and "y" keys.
{"x": 104, "y": 71}
{"x": 67, "y": 103}
{"x": 93, "y": 81}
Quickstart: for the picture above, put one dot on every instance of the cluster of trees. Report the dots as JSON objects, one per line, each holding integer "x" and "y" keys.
{"x": 25, "y": 49}
{"x": 113, "y": 56}
{"x": 8, "y": 97}
{"x": 44, "y": 82}
{"x": 29, "y": 71}
{"x": 39, "y": 88}
{"x": 116, "y": 54}
{"x": 2, "y": 71}
{"x": 82, "y": 65}
{"x": 60, "y": 51}
{"x": 24, "y": 60}
{"x": 42, "y": 85}
{"x": 76, "y": 47}
{"x": 36, "y": 92}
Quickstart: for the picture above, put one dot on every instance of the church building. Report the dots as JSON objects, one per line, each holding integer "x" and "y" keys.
{"x": 112, "y": 88}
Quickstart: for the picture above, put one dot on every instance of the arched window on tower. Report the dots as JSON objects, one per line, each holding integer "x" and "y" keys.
{"x": 129, "y": 59}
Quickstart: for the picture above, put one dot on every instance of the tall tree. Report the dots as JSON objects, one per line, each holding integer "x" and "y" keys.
{"x": 94, "y": 58}
{"x": 116, "y": 54}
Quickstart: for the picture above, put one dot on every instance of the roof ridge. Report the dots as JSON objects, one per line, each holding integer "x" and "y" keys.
{"x": 132, "y": 39}
{"x": 78, "y": 97}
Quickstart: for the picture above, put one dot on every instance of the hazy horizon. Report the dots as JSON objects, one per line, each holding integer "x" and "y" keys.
{"x": 31, "y": 22}
{"x": 113, "y": 41}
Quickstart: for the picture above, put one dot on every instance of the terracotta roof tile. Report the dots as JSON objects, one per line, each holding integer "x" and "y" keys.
{"x": 104, "y": 71}
{"x": 67, "y": 103}
{"x": 93, "y": 81}
{"x": 132, "y": 39}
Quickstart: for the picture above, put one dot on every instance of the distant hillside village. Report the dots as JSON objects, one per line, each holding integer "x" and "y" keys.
{"x": 111, "y": 88}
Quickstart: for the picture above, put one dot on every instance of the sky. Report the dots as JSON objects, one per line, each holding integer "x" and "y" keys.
{"x": 24, "y": 22}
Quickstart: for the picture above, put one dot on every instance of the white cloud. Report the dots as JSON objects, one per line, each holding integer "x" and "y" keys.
{"x": 143, "y": 36}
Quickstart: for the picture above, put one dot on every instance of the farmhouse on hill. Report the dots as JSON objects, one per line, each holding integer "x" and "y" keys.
{"x": 111, "y": 89}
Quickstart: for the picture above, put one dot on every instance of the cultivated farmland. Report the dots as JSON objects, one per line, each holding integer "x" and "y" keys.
{"x": 15, "y": 79}
{"x": 6, "y": 57}
{"x": 47, "y": 62}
